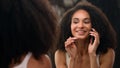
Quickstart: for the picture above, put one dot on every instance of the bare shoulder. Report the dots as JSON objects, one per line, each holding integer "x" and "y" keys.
{"x": 60, "y": 59}
{"x": 107, "y": 59}
{"x": 45, "y": 61}
{"x": 110, "y": 54}
{"x": 60, "y": 54}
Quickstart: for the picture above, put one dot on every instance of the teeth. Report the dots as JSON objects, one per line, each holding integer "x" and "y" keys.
{"x": 81, "y": 32}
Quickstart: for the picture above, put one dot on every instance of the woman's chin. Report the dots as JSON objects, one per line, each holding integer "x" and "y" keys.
{"x": 81, "y": 37}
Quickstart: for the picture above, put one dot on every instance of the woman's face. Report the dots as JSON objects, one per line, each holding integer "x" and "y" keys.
{"x": 81, "y": 24}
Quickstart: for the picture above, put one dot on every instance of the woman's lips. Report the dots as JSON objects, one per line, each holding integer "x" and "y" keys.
{"x": 81, "y": 32}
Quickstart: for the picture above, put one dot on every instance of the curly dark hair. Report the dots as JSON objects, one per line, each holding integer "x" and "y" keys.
{"x": 99, "y": 22}
{"x": 26, "y": 26}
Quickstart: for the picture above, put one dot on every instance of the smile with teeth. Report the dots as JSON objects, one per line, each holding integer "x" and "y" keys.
{"x": 81, "y": 32}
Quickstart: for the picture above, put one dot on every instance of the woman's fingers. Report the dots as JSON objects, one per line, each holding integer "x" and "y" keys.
{"x": 95, "y": 34}
{"x": 69, "y": 41}
{"x": 71, "y": 47}
{"x": 93, "y": 42}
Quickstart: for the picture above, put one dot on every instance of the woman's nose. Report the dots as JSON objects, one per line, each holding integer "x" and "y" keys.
{"x": 80, "y": 24}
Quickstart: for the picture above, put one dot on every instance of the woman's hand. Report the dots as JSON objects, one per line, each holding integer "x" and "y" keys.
{"x": 70, "y": 47}
{"x": 93, "y": 45}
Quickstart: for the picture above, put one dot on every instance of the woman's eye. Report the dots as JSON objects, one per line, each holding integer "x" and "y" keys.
{"x": 87, "y": 21}
{"x": 75, "y": 20}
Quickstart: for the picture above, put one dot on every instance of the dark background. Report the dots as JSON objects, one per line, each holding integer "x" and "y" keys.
{"x": 110, "y": 7}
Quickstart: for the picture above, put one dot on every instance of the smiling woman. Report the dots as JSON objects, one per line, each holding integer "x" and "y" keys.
{"x": 80, "y": 24}
{"x": 87, "y": 39}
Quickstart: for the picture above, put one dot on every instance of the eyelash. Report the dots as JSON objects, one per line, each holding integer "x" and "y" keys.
{"x": 75, "y": 22}
{"x": 84, "y": 22}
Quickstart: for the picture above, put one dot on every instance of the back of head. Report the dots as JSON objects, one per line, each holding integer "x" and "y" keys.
{"x": 26, "y": 26}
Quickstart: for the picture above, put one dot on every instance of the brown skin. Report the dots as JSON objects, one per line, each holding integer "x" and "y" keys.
{"x": 105, "y": 60}
{"x": 43, "y": 62}
{"x": 60, "y": 60}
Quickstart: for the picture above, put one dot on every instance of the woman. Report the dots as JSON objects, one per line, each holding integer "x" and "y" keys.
{"x": 87, "y": 39}
{"x": 25, "y": 26}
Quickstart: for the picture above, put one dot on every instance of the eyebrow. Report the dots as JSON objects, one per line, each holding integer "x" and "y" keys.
{"x": 78, "y": 18}
{"x": 87, "y": 18}
{"x": 75, "y": 18}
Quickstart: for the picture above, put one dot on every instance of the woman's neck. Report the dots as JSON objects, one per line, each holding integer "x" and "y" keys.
{"x": 82, "y": 46}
